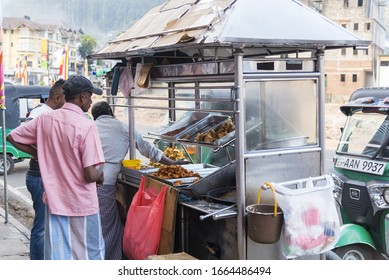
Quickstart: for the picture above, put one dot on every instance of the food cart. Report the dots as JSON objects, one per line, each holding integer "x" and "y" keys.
{"x": 230, "y": 59}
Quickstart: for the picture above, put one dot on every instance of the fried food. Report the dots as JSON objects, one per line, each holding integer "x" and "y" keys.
{"x": 174, "y": 172}
{"x": 174, "y": 132}
{"x": 211, "y": 135}
{"x": 156, "y": 164}
{"x": 173, "y": 153}
{"x": 177, "y": 183}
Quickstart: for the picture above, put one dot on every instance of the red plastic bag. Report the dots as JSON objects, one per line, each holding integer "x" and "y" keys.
{"x": 142, "y": 230}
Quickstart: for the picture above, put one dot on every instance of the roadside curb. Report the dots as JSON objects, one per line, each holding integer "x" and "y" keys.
{"x": 19, "y": 226}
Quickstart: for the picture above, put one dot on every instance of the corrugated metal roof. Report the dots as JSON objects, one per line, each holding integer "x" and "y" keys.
{"x": 271, "y": 27}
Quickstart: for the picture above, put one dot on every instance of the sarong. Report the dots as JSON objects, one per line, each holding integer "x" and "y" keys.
{"x": 73, "y": 238}
{"x": 110, "y": 220}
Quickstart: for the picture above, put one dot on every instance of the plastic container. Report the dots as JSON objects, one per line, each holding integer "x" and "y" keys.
{"x": 131, "y": 163}
{"x": 265, "y": 221}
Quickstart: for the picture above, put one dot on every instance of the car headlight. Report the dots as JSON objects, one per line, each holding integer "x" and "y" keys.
{"x": 337, "y": 191}
{"x": 386, "y": 195}
{"x": 379, "y": 194}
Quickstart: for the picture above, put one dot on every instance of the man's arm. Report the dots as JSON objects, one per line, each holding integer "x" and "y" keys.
{"x": 94, "y": 174}
{"x": 24, "y": 148}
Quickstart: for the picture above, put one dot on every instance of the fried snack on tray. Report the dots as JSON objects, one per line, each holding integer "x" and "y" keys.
{"x": 211, "y": 135}
{"x": 177, "y": 183}
{"x": 173, "y": 153}
{"x": 156, "y": 164}
{"x": 174, "y": 172}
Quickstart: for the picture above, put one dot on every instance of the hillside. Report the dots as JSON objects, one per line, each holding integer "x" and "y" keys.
{"x": 98, "y": 18}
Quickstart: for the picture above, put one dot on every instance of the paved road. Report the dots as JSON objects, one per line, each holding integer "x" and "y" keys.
{"x": 16, "y": 182}
{"x": 19, "y": 199}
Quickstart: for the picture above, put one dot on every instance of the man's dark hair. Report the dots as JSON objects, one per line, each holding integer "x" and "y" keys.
{"x": 101, "y": 108}
{"x": 57, "y": 84}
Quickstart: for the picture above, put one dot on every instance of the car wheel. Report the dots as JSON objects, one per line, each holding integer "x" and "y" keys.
{"x": 355, "y": 252}
{"x": 10, "y": 164}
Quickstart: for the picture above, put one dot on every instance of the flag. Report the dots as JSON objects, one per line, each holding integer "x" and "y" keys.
{"x": 44, "y": 54}
{"x": 24, "y": 71}
{"x": 64, "y": 64}
{"x": 2, "y": 97}
{"x": 86, "y": 72}
{"x": 17, "y": 69}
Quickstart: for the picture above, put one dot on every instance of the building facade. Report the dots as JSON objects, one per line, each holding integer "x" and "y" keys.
{"x": 349, "y": 69}
{"x": 33, "y": 51}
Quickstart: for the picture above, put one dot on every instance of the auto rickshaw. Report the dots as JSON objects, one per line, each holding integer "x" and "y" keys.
{"x": 19, "y": 101}
{"x": 361, "y": 176}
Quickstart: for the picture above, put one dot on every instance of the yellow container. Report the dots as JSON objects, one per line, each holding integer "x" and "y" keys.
{"x": 131, "y": 163}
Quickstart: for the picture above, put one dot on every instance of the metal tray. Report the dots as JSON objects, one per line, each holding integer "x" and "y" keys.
{"x": 181, "y": 126}
{"x": 202, "y": 126}
{"x": 204, "y": 170}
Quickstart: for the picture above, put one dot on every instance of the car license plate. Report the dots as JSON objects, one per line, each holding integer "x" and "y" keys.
{"x": 362, "y": 165}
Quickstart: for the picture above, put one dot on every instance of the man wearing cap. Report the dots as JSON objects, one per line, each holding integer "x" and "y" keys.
{"x": 68, "y": 150}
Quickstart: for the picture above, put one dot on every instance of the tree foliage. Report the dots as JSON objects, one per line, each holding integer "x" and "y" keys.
{"x": 88, "y": 45}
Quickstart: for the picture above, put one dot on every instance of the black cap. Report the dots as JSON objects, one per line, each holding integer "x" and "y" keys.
{"x": 78, "y": 84}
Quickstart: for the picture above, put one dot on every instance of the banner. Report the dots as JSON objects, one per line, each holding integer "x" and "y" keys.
{"x": 86, "y": 69}
{"x": 44, "y": 54}
{"x": 2, "y": 98}
{"x": 24, "y": 71}
{"x": 64, "y": 64}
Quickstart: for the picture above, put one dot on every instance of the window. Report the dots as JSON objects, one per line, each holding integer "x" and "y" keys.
{"x": 29, "y": 63}
{"x": 384, "y": 63}
{"x": 368, "y": 26}
{"x": 355, "y": 52}
{"x": 343, "y": 51}
{"x": 342, "y": 77}
{"x": 345, "y": 3}
{"x": 355, "y": 26}
{"x": 275, "y": 119}
{"x": 355, "y": 78}
{"x": 360, "y": 3}
{"x": 367, "y": 52}
{"x": 344, "y": 26}
{"x": 12, "y": 44}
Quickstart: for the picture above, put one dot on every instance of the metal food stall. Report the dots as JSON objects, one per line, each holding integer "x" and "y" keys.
{"x": 209, "y": 62}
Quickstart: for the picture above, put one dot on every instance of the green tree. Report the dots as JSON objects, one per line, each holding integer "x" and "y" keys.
{"x": 88, "y": 44}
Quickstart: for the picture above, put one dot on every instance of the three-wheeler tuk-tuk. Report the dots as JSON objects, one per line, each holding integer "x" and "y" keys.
{"x": 19, "y": 101}
{"x": 361, "y": 175}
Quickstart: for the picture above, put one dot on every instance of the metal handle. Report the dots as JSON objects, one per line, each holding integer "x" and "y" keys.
{"x": 224, "y": 215}
{"x": 203, "y": 217}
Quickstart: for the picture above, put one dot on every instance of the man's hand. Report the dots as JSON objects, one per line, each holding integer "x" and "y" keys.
{"x": 101, "y": 180}
{"x": 94, "y": 174}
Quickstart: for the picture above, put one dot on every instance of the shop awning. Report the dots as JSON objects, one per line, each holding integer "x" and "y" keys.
{"x": 266, "y": 27}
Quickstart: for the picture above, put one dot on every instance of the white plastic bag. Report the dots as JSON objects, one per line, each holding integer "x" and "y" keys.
{"x": 311, "y": 222}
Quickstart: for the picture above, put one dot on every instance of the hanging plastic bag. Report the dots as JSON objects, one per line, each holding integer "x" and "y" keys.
{"x": 142, "y": 230}
{"x": 311, "y": 222}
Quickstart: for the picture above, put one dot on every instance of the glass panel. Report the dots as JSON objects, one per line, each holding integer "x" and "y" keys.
{"x": 364, "y": 134}
{"x": 281, "y": 114}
